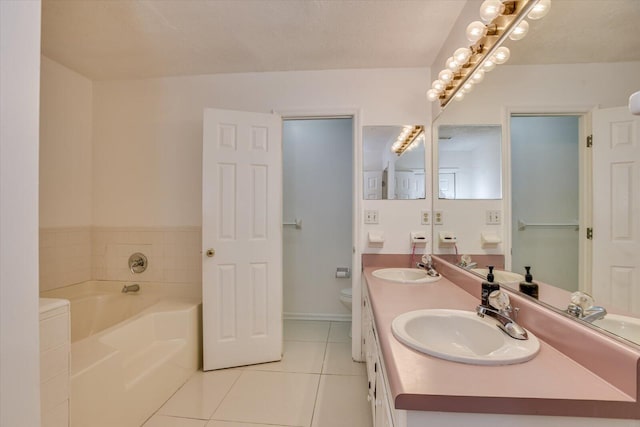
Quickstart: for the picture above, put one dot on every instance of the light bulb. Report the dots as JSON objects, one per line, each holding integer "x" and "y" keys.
{"x": 490, "y": 10}
{"x": 446, "y": 75}
{"x": 488, "y": 65}
{"x": 459, "y": 96}
{"x": 501, "y": 55}
{"x": 468, "y": 87}
{"x": 433, "y": 95}
{"x": 540, "y": 10}
{"x": 438, "y": 85}
{"x": 478, "y": 76}
{"x": 520, "y": 31}
{"x": 475, "y": 31}
{"x": 452, "y": 64}
{"x": 462, "y": 55}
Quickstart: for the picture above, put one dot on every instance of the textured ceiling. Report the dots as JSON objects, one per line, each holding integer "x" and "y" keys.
{"x": 582, "y": 31}
{"x": 124, "y": 39}
{"x": 141, "y": 39}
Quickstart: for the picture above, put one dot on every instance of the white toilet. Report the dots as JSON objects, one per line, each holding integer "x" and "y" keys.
{"x": 346, "y": 296}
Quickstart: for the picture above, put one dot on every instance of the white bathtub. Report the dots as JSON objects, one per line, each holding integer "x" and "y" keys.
{"x": 129, "y": 352}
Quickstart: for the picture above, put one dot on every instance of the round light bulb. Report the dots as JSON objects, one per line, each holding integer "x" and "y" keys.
{"x": 475, "y": 31}
{"x": 459, "y": 96}
{"x": 478, "y": 76}
{"x": 446, "y": 75}
{"x": 462, "y": 55}
{"x": 433, "y": 95}
{"x": 468, "y": 87}
{"x": 501, "y": 55}
{"x": 488, "y": 65}
{"x": 520, "y": 31}
{"x": 540, "y": 10}
{"x": 490, "y": 10}
{"x": 452, "y": 64}
{"x": 438, "y": 85}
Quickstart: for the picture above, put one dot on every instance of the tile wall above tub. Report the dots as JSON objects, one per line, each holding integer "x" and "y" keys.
{"x": 75, "y": 254}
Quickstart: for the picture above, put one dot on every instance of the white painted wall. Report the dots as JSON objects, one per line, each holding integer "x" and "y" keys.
{"x": 317, "y": 177}
{"x": 148, "y": 133}
{"x": 65, "y": 147}
{"x": 19, "y": 94}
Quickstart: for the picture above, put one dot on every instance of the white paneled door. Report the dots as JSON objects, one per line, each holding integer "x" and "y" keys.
{"x": 616, "y": 208}
{"x": 241, "y": 238}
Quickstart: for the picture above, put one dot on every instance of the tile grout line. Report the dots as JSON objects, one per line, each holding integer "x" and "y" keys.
{"x": 324, "y": 356}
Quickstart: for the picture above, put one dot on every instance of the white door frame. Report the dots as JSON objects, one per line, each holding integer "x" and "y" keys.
{"x": 585, "y": 181}
{"x": 356, "y": 262}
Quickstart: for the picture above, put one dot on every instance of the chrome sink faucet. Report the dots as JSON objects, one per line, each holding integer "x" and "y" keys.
{"x": 427, "y": 264}
{"x": 500, "y": 309}
{"x": 582, "y": 307}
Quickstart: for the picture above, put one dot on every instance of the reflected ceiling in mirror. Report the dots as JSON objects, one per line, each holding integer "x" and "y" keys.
{"x": 388, "y": 175}
{"x": 469, "y": 162}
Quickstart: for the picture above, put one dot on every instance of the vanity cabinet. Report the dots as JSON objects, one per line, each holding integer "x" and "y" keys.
{"x": 378, "y": 393}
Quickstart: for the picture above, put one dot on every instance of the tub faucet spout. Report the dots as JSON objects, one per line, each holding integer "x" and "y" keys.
{"x": 130, "y": 288}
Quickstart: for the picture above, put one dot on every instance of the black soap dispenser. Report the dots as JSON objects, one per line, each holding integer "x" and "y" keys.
{"x": 528, "y": 286}
{"x": 488, "y": 286}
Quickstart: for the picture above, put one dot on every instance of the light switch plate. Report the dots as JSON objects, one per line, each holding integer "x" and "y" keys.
{"x": 371, "y": 216}
{"x": 494, "y": 217}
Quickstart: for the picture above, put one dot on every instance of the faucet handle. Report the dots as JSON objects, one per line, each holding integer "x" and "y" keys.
{"x": 500, "y": 301}
{"x": 582, "y": 300}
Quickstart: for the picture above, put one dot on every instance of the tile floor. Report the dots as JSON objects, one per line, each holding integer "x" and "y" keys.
{"x": 315, "y": 385}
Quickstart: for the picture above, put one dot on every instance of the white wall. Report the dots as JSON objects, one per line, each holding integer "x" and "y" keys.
{"x": 19, "y": 92}
{"x": 65, "y": 147}
{"x": 148, "y": 133}
{"x": 317, "y": 175}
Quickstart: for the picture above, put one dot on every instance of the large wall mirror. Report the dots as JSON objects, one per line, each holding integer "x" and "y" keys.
{"x": 469, "y": 162}
{"x": 573, "y": 83}
{"x": 393, "y": 163}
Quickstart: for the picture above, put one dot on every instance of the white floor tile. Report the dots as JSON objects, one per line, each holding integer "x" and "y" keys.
{"x": 166, "y": 421}
{"x": 338, "y": 360}
{"x": 299, "y": 356}
{"x": 339, "y": 332}
{"x": 214, "y": 423}
{"x": 280, "y": 398}
{"x": 342, "y": 402}
{"x": 201, "y": 395}
{"x": 306, "y": 330}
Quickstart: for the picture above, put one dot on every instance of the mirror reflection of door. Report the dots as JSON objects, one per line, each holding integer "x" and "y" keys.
{"x": 545, "y": 187}
{"x": 447, "y": 185}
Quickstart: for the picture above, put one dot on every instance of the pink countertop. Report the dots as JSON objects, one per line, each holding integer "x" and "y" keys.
{"x": 553, "y": 383}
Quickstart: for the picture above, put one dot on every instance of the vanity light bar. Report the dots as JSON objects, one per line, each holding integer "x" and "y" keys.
{"x": 467, "y": 65}
{"x": 407, "y": 138}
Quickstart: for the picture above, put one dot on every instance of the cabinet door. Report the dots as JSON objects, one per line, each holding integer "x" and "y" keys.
{"x": 382, "y": 412}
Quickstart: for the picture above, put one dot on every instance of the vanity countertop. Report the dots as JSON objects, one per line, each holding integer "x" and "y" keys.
{"x": 553, "y": 383}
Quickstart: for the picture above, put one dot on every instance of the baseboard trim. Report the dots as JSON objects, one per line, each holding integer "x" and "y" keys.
{"x": 317, "y": 316}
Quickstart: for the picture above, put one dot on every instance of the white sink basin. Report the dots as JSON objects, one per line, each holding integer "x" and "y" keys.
{"x": 623, "y": 326}
{"x": 507, "y": 277}
{"x": 405, "y": 275}
{"x": 462, "y": 336}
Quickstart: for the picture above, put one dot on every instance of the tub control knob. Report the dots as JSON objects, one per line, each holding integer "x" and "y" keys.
{"x": 211, "y": 252}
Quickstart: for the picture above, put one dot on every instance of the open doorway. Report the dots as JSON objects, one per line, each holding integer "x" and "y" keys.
{"x": 318, "y": 216}
{"x": 546, "y": 195}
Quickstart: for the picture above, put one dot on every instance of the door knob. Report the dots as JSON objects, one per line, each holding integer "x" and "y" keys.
{"x": 210, "y": 252}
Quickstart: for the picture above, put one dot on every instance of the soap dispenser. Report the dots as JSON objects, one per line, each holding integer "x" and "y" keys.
{"x": 529, "y": 287}
{"x": 488, "y": 286}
